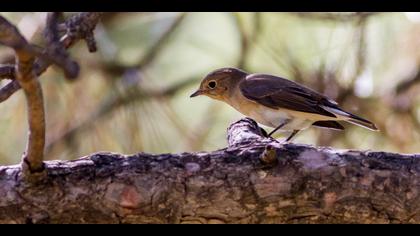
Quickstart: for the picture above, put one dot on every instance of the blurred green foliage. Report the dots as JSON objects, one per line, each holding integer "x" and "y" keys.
{"x": 133, "y": 94}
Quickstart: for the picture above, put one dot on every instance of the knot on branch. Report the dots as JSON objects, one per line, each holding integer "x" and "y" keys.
{"x": 33, "y": 174}
{"x": 56, "y": 50}
{"x": 82, "y": 26}
{"x": 269, "y": 156}
{"x": 246, "y": 138}
{"x": 245, "y": 131}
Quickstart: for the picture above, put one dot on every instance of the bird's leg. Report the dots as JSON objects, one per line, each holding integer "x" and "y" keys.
{"x": 292, "y": 135}
{"x": 278, "y": 127}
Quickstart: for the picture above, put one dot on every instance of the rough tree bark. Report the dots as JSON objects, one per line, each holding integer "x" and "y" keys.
{"x": 253, "y": 180}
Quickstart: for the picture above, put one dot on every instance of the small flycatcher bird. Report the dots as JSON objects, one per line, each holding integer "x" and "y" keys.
{"x": 276, "y": 102}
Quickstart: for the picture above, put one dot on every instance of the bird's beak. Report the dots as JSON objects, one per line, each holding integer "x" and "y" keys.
{"x": 196, "y": 93}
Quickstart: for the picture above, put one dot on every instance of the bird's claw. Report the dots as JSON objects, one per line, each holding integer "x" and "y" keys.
{"x": 282, "y": 142}
{"x": 264, "y": 133}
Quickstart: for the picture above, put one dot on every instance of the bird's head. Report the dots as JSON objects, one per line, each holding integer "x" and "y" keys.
{"x": 219, "y": 84}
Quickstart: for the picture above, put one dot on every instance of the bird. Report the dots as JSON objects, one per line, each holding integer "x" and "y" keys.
{"x": 276, "y": 102}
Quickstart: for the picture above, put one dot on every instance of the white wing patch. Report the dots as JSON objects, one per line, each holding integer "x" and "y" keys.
{"x": 333, "y": 102}
{"x": 336, "y": 112}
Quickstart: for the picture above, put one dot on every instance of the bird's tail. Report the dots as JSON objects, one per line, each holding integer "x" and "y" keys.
{"x": 363, "y": 123}
{"x": 347, "y": 116}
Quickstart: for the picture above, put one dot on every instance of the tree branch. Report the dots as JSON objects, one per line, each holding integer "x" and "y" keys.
{"x": 10, "y": 36}
{"x": 112, "y": 103}
{"x": 245, "y": 40}
{"x": 27, "y": 68}
{"x": 78, "y": 27}
{"x": 7, "y": 72}
{"x": 131, "y": 93}
{"x": 56, "y": 49}
{"x": 407, "y": 84}
{"x": 152, "y": 52}
{"x": 36, "y": 115}
{"x": 231, "y": 185}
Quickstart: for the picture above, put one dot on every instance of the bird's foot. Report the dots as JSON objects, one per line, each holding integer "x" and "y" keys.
{"x": 264, "y": 133}
{"x": 282, "y": 141}
{"x": 276, "y": 140}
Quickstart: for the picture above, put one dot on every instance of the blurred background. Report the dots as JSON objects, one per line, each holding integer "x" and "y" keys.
{"x": 133, "y": 93}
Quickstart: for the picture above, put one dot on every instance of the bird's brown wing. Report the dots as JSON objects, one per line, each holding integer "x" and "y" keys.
{"x": 276, "y": 92}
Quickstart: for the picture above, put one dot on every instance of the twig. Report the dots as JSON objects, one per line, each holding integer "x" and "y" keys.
{"x": 7, "y": 71}
{"x": 130, "y": 93}
{"x": 360, "y": 34}
{"x": 112, "y": 103}
{"x": 36, "y": 115}
{"x": 151, "y": 53}
{"x": 405, "y": 85}
{"x": 89, "y": 19}
{"x": 56, "y": 49}
{"x": 243, "y": 55}
{"x": 247, "y": 41}
{"x": 31, "y": 61}
{"x": 10, "y": 36}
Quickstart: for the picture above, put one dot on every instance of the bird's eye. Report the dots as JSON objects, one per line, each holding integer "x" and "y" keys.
{"x": 212, "y": 84}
